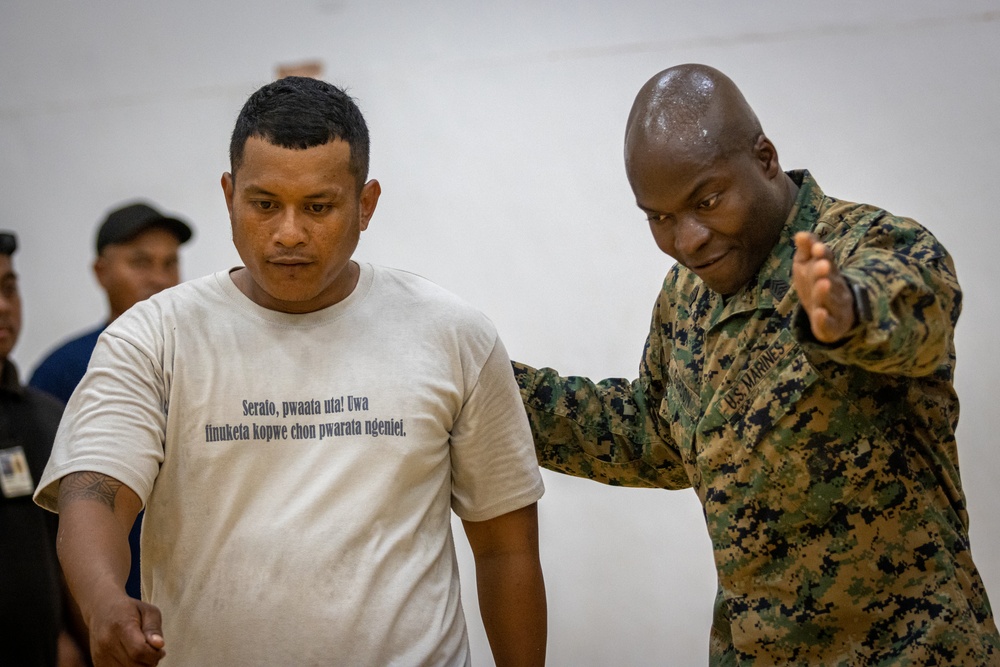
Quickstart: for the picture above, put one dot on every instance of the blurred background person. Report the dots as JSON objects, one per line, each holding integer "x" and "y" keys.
{"x": 34, "y": 625}
{"x": 137, "y": 256}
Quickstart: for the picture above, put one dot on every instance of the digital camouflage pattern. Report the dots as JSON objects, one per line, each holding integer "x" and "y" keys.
{"x": 828, "y": 473}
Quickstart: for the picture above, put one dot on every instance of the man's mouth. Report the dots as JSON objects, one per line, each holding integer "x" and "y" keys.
{"x": 706, "y": 264}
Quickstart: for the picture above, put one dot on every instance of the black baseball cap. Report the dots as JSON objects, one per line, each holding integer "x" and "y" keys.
{"x": 8, "y": 243}
{"x": 125, "y": 223}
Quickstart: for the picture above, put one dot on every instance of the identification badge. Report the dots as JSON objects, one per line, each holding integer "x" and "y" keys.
{"x": 15, "y": 477}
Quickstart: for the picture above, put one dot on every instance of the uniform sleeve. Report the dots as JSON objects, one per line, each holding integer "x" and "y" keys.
{"x": 494, "y": 470}
{"x": 609, "y": 431}
{"x": 915, "y": 301}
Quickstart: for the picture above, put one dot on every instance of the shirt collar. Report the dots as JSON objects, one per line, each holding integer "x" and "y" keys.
{"x": 9, "y": 382}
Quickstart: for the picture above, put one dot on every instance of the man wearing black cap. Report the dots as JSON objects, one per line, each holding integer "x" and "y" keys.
{"x": 32, "y": 610}
{"x": 136, "y": 258}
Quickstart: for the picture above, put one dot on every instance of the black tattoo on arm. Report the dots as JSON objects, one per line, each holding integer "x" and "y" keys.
{"x": 89, "y": 486}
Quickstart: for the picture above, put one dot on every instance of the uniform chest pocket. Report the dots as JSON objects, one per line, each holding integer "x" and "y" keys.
{"x": 767, "y": 390}
{"x": 681, "y": 409}
{"x": 807, "y": 452}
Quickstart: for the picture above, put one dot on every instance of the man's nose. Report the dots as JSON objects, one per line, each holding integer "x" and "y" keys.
{"x": 164, "y": 276}
{"x": 290, "y": 230}
{"x": 690, "y": 235}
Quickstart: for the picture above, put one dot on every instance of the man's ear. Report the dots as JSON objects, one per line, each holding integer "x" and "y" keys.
{"x": 228, "y": 185}
{"x": 100, "y": 267}
{"x": 368, "y": 200}
{"x": 767, "y": 155}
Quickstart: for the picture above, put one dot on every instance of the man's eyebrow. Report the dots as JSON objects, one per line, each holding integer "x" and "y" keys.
{"x": 332, "y": 193}
{"x": 329, "y": 193}
{"x": 257, "y": 190}
{"x": 699, "y": 186}
{"x": 693, "y": 193}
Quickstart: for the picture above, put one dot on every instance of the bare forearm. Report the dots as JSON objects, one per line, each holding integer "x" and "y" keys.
{"x": 96, "y": 513}
{"x": 74, "y": 626}
{"x": 510, "y": 585}
{"x": 93, "y": 542}
{"x": 513, "y": 607}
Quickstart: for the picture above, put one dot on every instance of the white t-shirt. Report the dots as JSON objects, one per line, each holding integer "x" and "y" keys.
{"x": 298, "y": 471}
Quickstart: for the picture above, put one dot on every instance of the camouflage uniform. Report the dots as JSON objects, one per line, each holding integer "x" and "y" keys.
{"x": 828, "y": 473}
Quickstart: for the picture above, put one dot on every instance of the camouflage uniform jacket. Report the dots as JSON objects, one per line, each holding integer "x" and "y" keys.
{"x": 828, "y": 473}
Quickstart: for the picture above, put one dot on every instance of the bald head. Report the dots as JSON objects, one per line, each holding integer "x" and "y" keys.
{"x": 690, "y": 109}
{"x": 705, "y": 175}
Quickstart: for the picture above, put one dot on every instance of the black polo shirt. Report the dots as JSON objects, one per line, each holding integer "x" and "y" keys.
{"x": 30, "y": 597}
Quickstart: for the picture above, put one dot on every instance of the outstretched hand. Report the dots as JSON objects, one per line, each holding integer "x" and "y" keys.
{"x": 127, "y": 632}
{"x": 823, "y": 291}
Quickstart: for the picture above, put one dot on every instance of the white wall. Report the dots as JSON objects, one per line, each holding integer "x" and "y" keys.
{"x": 497, "y": 134}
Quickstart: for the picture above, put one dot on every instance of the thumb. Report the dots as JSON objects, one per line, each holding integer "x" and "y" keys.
{"x": 152, "y": 625}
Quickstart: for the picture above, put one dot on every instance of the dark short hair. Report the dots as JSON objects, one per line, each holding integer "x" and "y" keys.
{"x": 300, "y": 112}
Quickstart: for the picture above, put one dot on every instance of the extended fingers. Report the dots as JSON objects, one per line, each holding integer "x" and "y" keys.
{"x": 803, "y": 246}
{"x": 813, "y": 258}
{"x": 808, "y": 247}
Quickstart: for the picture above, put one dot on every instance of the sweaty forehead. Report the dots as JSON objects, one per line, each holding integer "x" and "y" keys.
{"x": 682, "y": 120}
{"x": 681, "y": 152}
{"x": 690, "y": 109}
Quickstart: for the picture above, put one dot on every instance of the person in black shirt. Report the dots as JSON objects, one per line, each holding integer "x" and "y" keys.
{"x": 34, "y": 605}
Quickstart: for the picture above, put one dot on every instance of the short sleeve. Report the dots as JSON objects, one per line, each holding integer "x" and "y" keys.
{"x": 114, "y": 423}
{"x": 493, "y": 462}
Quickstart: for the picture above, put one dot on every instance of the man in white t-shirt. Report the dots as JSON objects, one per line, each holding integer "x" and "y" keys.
{"x": 299, "y": 431}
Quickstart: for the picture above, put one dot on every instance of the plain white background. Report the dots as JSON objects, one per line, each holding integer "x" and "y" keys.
{"x": 497, "y": 132}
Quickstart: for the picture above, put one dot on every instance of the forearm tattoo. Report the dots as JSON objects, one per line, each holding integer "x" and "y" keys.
{"x": 89, "y": 486}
